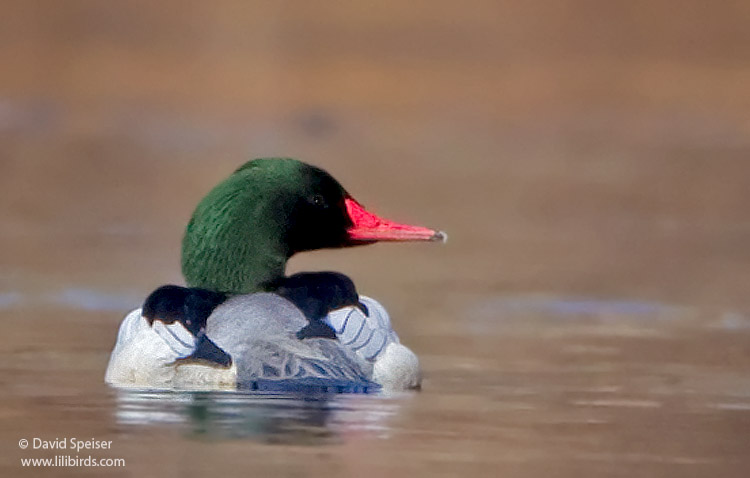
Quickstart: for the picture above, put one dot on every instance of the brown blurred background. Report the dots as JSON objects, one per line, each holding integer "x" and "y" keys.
{"x": 576, "y": 149}
{"x": 580, "y": 146}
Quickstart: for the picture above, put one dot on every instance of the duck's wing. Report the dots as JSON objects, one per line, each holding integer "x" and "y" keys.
{"x": 259, "y": 332}
{"x": 370, "y": 336}
{"x": 367, "y": 334}
{"x": 162, "y": 355}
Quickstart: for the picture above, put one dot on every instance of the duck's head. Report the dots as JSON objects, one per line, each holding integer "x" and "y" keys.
{"x": 244, "y": 231}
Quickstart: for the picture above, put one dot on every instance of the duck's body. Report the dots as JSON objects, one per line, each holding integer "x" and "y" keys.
{"x": 242, "y": 323}
{"x": 259, "y": 332}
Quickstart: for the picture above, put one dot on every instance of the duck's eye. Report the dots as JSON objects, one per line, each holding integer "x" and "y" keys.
{"x": 318, "y": 200}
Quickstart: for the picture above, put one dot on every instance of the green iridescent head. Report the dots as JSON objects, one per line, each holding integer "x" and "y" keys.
{"x": 243, "y": 232}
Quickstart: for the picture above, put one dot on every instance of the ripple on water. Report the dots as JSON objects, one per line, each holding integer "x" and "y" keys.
{"x": 618, "y": 403}
{"x": 574, "y": 308}
{"x": 10, "y": 299}
{"x": 268, "y": 417}
{"x": 74, "y": 298}
{"x": 730, "y": 406}
{"x": 91, "y": 299}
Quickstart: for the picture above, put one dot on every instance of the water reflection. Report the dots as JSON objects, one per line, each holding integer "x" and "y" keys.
{"x": 267, "y": 417}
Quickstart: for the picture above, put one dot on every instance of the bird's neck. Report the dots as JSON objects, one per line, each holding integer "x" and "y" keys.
{"x": 232, "y": 268}
{"x": 234, "y": 244}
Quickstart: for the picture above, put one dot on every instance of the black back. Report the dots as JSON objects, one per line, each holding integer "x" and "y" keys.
{"x": 190, "y": 306}
{"x": 316, "y": 294}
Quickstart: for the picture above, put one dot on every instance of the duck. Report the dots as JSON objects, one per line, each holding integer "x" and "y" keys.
{"x": 241, "y": 323}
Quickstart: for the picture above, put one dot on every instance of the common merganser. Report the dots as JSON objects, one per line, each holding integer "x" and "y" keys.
{"x": 241, "y": 323}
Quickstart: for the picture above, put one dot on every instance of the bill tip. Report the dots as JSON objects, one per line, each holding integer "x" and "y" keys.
{"x": 440, "y": 236}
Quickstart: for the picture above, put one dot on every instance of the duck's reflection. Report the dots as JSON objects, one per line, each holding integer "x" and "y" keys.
{"x": 271, "y": 418}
